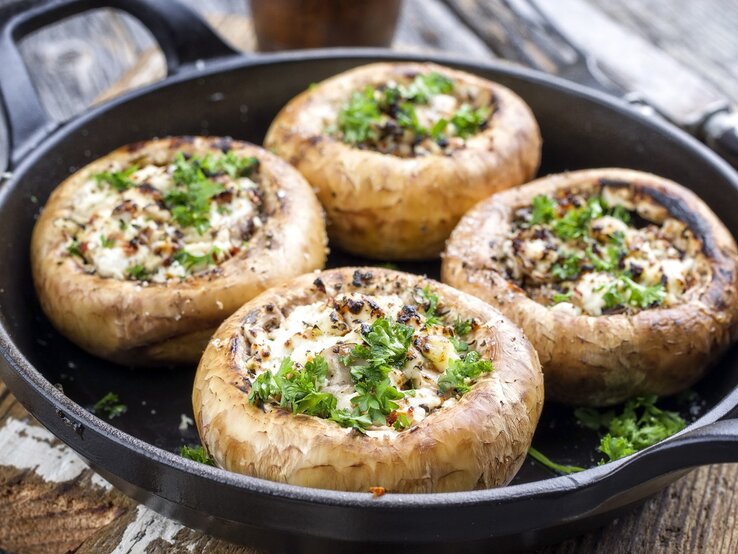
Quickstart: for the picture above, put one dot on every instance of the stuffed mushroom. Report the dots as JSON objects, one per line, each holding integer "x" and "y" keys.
{"x": 398, "y": 152}
{"x": 362, "y": 377}
{"x": 140, "y": 255}
{"x": 624, "y": 282}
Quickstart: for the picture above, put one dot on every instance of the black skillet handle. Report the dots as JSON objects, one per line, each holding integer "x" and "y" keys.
{"x": 720, "y": 132}
{"x": 180, "y": 32}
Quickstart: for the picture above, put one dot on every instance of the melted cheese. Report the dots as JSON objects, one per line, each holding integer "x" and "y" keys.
{"x": 327, "y": 328}
{"x": 664, "y": 254}
{"x": 119, "y": 231}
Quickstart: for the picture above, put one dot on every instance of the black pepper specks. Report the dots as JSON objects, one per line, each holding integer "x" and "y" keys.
{"x": 359, "y": 279}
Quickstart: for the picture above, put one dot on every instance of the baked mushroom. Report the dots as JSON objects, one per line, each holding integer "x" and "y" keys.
{"x": 398, "y": 152}
{"x": 362, "y": 377}
{"x": 140, "y": 255}
{"x": 624, "y": 282}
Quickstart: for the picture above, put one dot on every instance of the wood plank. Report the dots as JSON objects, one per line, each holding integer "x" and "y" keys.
{"x": 701, "y": 35}
{"x": 46, "y": 484}
{"x": 96, "y": 52}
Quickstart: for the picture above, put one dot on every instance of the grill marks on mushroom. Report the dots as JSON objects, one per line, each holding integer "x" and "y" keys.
{"x": 126, "y": 229}
{"x": 608, "y": 250}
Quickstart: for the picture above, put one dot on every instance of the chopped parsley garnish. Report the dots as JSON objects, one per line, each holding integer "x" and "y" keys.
{"x": 75, "y": 249}
{"x": 568, "y": 268}
{"x": 559, "y": 297}
{"x": 356, "y": 119}
{"x": 196, "y": 454}
{"x": 468, "y": 121}
{"x": 460, "y": 373}
{"x": 462, "y": 327}
{"x": 296, "y": 390}
{"x": 119, "y": 180}
{"x": 543, "y": 209}
{"x": 137, "y": 272}
{"x": 640, "y": 425}
{"x": 408, "y": 118}
{"x": 626, "y": 292}
{"x": 232, "y": 164}
{"x": 189, "y": 201}
{"x": 431, "y": 306}
{"x": 546, "y": 461}
{"x": 110, "y": 406}
{"x": 106, "y": 242}
{"x": 384, "y": 347}
{"x": 190, "y": 261}
{"x": 360, "y": 120}
{"x": 572, "y": 225}
{"x": 426, "y": 86}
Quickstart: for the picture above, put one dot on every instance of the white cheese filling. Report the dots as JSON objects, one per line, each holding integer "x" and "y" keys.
{"x": 120, "y": 235}
{"x": 328, "y": 329}
{"x": 663, "y": 254}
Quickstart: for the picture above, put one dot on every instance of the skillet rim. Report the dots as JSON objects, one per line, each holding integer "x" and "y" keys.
{"x": 555, "y": 486}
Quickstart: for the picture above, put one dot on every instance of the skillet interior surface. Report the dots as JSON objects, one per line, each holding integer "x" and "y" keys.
{"x": 239, "y": 100}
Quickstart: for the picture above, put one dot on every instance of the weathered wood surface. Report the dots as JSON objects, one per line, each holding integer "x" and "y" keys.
{"x": 51, "y": 502}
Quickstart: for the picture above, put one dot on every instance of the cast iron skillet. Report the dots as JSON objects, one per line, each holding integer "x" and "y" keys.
{"x": 238, "y": 96}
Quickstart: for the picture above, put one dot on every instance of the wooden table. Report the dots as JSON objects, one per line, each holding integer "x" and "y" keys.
{"x": 51, "y": 502}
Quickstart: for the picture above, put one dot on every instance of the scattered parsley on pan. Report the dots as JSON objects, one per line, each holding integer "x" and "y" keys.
{"x": 109, "y": 406}
{"x": 338, "y": 379}
{"x": 196, "y": 454}
{"x": 626, "y": 283}
{"x": 638, "y": 425}
{"x": 397, "y": 152}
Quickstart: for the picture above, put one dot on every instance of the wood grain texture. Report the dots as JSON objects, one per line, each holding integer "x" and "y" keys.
{"x": 701, "y": 35}
{"x": 39, "y": 514}
{"x": 94, "y": 57}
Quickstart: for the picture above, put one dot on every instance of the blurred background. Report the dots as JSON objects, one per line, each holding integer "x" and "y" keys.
{"x": 92, "y": 57}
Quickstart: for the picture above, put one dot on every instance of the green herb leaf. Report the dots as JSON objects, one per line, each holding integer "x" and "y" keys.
{"x": 357, "y": 119}
{"x": 387, "y": 343}
{"x": 438, "y": 128}
{"x": 191, "y": 261}
{"x": 426, "y": 86}
{"x": 640, "y": 425}
{"x": 643, "y": 296}
{"x": 459, "y": 345}
{"x": 402, "y": 422}
{"x": 110, "y": 406}
{"x": 196, "y": 454}
{"x": 621, "y": 213}
{"x": 119, "y": 180}
{"x": 559, "y": 297}
{"x": 546, "y": 461}
{"x": 106, "y": 242}
{"x": 189, "y": 201}
{"x": 232, "y": 164}
{"x": 75, "y": 249}
{"x": 468, "y": 121}
{"x": 463, "y": 327}
{"x": 568, "y": 268}
{"x": 408, "y": 118}
{"x": 345, "y": 418}
{"x": 431, "y": 306}
{"x": 137, "y": 273}
{"x": 461, "y": 373}
{"x": 543, "y": 209}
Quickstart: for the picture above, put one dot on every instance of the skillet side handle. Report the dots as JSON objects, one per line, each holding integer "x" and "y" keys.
{"x": 721, "y": 134}
{"x": 180, "y": 32}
